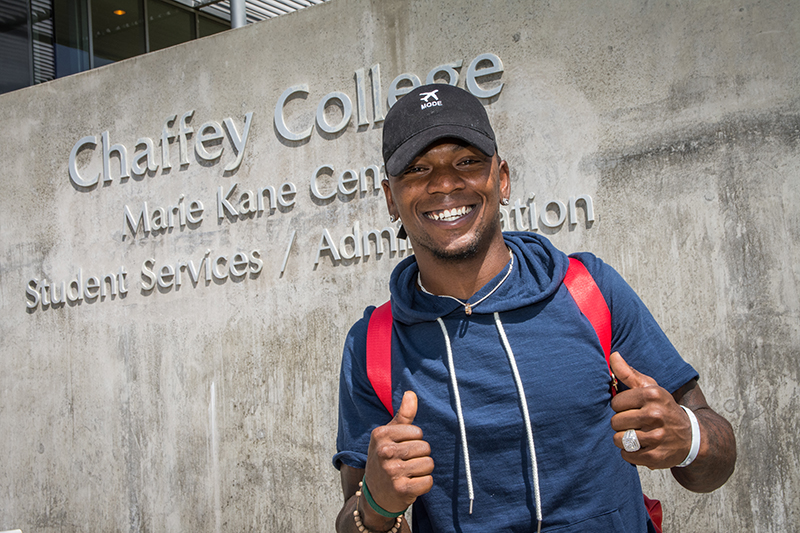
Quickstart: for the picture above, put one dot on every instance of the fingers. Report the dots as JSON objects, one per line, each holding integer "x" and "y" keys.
{"x": 628, "y": 375}
{"x": 660, "y": 448}
{"x": 407, "y": 411}
{"x": 653, "y": 413}
{"x": 403, "y": 450}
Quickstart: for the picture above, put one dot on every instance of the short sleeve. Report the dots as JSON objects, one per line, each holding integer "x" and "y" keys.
{"x": 634, "y": 332}
{"x": 360, "y": 410}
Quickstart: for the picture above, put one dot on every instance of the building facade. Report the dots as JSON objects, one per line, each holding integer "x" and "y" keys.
{"x": 188, "y": 234}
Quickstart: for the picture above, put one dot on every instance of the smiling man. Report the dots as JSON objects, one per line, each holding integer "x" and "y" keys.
{"x": 495, "y": 411}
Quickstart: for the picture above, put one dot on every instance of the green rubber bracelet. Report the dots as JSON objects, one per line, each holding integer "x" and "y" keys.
{"x": 377, "y": 508}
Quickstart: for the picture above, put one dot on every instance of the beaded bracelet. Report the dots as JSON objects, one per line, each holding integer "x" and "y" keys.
{"x": 357, "y": 515}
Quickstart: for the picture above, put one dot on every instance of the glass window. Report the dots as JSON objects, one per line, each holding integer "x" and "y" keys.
{"x": 44, "y": 55}
{"x": 209, "y": 26}
{"x": 15, "y": 46}
{"x": 71, "y": 36}
{"x": 168, "y": 25}
{"x": 117, "y": 30}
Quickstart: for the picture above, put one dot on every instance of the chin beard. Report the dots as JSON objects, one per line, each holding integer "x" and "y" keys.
{"x": 458, "y": 255}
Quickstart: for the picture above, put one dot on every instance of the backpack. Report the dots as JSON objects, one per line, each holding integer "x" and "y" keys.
{"x": 584, "y": 291}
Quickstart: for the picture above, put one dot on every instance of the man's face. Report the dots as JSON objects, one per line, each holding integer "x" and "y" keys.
{"x": 448, "y": 199}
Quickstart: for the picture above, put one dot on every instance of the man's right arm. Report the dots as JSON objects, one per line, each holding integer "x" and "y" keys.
{"x": 398, "y": 471}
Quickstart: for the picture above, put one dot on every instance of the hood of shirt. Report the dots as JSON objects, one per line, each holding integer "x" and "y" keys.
{"x": 543, "y": 271}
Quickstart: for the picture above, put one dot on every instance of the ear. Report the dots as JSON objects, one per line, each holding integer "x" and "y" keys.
{"x": 504, "y": 179}
{"x": 387, "y": 192}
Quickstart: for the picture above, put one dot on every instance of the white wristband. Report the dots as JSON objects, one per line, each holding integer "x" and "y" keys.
{"x": 695, "y": 438}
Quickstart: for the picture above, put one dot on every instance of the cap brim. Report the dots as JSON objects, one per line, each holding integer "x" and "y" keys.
{"x": 406, "y": 152}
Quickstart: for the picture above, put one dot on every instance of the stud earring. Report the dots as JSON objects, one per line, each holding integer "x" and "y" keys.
{"x": 392, "y": 218}
{"x": 504, "y": 201}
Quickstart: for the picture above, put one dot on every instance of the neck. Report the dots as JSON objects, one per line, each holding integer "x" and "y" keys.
{"x": 465, "y": 277}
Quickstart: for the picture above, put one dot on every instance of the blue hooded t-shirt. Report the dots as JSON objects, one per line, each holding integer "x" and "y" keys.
{"x": 583, "y": 484}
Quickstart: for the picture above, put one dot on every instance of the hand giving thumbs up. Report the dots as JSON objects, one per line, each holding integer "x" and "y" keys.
{"x": 399, "y": 465}
{"x": 661, "y": 426}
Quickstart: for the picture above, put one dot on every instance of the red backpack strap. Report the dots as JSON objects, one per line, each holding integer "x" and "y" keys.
{"x": 379, "y": 354}
{"x": 587, "y": 295}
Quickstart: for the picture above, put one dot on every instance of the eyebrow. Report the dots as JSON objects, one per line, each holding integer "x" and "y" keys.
{"x": 460, "y": 145}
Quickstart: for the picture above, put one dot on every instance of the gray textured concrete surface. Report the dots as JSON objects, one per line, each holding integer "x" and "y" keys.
{"x": 212, "y": 406}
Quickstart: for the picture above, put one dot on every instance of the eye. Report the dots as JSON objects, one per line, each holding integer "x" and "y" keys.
{"x": 414, "y": 169}
{"x": 469, "y": 161}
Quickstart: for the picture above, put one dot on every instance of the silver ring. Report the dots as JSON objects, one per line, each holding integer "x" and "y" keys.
{"x": 630, "y": 441}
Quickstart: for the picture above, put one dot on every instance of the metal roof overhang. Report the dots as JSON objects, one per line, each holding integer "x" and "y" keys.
{"x": 255, "y": 10}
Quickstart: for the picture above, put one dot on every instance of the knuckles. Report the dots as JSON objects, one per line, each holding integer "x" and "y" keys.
{"x": 386, "y": 450}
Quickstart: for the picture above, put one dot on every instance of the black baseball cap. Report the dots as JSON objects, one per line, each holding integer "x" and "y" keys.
{"x": 429, "y": 113}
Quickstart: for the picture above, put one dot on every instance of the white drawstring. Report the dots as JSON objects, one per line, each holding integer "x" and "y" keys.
{"x": 525, "y": 415}
{"x": 459, "y": 414}
{"x": 524, "y": 402}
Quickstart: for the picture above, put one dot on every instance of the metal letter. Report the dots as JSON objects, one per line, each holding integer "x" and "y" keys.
{"x": 587, "y": 205}
{"x": 200, "y": 149}
{"x": 356, "y": 238}
{"x": 280, "y": 123}
{"x": 239, "y": 261}
{"x": 92, "y": 286}
{"x": 377, "y": 97}
{"x": 238, "y": 142}
{"x": 255, "y": 261}
{"x": 183, "y": 131}
{"x": 447, "y": 68}
{"x": 123, "y": 158}
{"x": 395, "y": 91}
{"x": 165, "y": 138}
{"x": 195, "y": 213}
{"x": 361, "y": 99}
{"x": 532, "y": 214}
{"x": 347, "y": 112}
{"x": 473, "y": 73}
{"x": 216, "y": 262}
{"x": 314, "y": 190}
{"x": 166, "y": 272}
{"x": 376, "y": 177}
{"x": 148, "y": 274}
{"x": 78, "y": 288}
{"x": 326, "y": 243}
{"x": 121, "y": 276}
{"x": 136, "y": 164}
{"x": 144, "y": 219}
{"x": 76, "y": 178}
{"x": 223, "y": 205}
{"x": 31, "y": 292}
{"x": 286, "y": 194}
{"x": 517, "y": 210}
{"x": 562, "y": 214}
{"x": 344, "y": 182}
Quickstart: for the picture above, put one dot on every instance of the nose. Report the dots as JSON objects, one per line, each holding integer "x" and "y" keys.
{"x": 444, "y": 179}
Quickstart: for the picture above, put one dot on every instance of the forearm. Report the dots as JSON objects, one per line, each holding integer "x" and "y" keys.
{"x": 716, "y": 459}
{"x": 717, "y": 456}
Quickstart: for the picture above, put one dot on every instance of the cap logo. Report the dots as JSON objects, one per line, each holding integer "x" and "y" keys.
{"x": 425, "y": 98}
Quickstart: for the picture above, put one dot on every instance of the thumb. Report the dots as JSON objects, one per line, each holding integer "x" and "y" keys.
{"x": 628, "y": 375}
{"x": 407, "y": 411}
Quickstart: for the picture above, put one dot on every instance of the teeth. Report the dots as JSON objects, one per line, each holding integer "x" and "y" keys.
{"x": 448, "y": 215}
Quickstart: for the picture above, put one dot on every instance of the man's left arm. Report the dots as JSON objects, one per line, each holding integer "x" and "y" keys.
{"x": 664, "y": 429}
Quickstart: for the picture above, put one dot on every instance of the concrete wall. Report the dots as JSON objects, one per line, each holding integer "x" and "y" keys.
{"x": 211, "y": 406}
